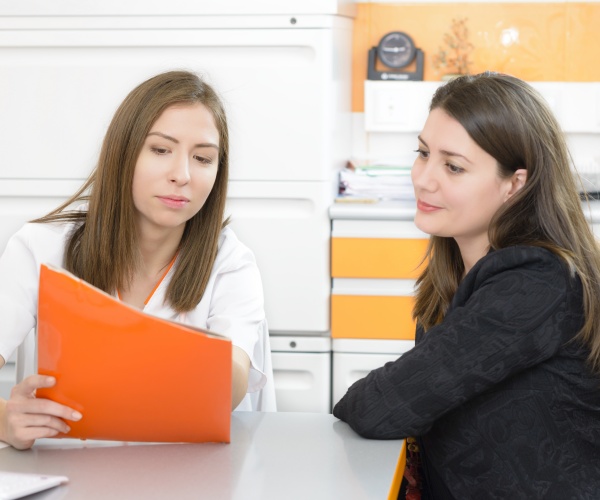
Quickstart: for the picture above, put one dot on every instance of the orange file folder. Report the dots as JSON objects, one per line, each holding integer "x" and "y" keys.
{"x": 133, "y": 377}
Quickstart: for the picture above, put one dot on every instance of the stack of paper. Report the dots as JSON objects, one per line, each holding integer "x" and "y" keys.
{"x": 384, "y": 180}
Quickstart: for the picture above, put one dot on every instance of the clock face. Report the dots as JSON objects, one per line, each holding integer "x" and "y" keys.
{"x": 396, "y": 50}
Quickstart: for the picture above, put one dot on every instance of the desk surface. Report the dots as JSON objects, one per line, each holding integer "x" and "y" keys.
{"x": 271, "y": 456}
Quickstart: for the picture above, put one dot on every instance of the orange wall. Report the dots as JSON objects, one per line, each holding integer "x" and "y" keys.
{"x": 556, "y": 41}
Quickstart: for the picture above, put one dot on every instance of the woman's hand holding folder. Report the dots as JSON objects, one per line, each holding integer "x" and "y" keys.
{"x": 26, "y": 418}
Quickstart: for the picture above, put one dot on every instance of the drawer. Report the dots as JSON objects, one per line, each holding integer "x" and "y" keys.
{"x": 377, "y": 257}
{"x": 372, "y": 317}
{"x": 302, "y": 381}
{"x": 302, "y": 373}
{"x": 350, "y": 367}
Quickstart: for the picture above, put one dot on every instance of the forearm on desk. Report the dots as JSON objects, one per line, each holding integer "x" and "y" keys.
{"x": 240, "y": 368}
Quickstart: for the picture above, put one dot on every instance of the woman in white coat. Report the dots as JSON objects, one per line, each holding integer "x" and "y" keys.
{"x": 147, "y": 227}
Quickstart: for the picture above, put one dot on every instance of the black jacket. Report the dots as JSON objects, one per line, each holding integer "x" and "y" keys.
{"x": 499, "y": 392}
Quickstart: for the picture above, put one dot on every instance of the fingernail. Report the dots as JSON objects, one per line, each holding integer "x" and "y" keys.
{"x": 76, "y": 415}
{"x": 50, "y": 380}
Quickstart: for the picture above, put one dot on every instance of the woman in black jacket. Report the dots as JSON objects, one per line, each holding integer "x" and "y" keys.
{"x": 502, "y": 389}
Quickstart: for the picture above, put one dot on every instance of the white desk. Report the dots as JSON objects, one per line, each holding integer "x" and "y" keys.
{"x": 272, "y": 456}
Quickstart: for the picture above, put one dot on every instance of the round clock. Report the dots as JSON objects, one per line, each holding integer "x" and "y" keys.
{"x": 396, "y": 49}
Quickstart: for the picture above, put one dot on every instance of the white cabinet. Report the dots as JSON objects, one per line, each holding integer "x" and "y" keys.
{"x": 353, "y": 359}
{"x": 283, "y": 70}
{"x": 286, "y": 88}
{"x": 302, "y": 371}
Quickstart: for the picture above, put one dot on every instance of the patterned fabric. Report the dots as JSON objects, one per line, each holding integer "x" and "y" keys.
{"x": 499, "y": 392}
{"x": 412, "y": 470}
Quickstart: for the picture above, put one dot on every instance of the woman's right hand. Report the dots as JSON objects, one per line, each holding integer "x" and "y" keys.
{"x": 25, "y": 418}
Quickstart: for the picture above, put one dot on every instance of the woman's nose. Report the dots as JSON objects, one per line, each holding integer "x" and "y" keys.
{"x": 423, "y": 176}
{"x": 180, "y": 171}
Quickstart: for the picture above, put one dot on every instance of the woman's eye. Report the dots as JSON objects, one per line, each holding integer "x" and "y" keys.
{"x": 454, "y": 169}
{"x": 422, "y": 153}
{"x": 203, "y": 159}
{"x": 159, "y": 151}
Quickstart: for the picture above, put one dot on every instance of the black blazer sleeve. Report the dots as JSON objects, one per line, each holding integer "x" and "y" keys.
{"x": 507, "y": 316}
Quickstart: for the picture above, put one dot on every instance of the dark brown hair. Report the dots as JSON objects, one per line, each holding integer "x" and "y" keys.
{"x": 103, "y": 249}
{"x": 509, "y": 120}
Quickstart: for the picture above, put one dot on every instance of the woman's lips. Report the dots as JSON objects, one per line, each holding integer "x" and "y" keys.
{"x": 173, "y": 201}
{"x": 426, "y": 207}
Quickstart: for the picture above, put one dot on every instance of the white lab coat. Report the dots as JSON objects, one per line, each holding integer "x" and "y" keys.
{"x": 232, "y": 304}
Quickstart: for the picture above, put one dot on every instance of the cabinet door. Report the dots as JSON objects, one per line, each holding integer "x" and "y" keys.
{"x": 286, "y": 90}
{"x": 286, "y": 225}
{"x": 350, "y": 367}
{"x": 302, "y": 381}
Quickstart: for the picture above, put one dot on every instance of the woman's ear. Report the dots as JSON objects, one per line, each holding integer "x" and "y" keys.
{"x": 517, "y": 181}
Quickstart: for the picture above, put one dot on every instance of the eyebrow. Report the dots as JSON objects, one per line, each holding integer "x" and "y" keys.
{"x": 199, "y": 145}
{"x": 445, "y": 152}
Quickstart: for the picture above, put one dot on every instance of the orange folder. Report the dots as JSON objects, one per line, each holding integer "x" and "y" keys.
{"x": 133, "y": 377}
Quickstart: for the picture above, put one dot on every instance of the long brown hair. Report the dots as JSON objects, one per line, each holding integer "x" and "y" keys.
{"x": 103, "y": 249}
{"x": 509, "y": 120}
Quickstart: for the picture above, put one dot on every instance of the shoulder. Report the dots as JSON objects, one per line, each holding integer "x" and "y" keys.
{"x": 524, "y": 277}
{"x": 44, "y": 233}
{"x": 36, "y": 234}
{"x": 232, "y": 252}
{"x": 520, "y": 256}
{"x": 40, "y": 241}
{"x": 526, "y": 261}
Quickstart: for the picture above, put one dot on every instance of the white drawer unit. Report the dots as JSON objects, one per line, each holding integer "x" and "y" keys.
{"x": 353, "y": 359}
{"x": 302, "y": 373}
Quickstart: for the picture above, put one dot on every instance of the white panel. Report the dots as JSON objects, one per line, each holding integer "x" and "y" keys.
{"x": 372, "y": 346}
{"x": 345, "y": 228}
{"x": 302, "y": 381}
{"x": 552, "y": 92}
{"x": 348, "y": 368}
{"x": 397, "y": 106}
{"x": 372, "y": 286}
{"x": 403, "y": 106}
{"x": 181, "y": 7}
{"x": 286, "y": 91}
{"x": 287, "y": 226}
{"x": 383, "y": 210}
{"x": 300, "y": 344}
{"x": 575, "y": 104}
